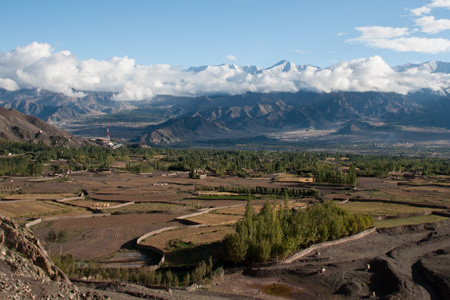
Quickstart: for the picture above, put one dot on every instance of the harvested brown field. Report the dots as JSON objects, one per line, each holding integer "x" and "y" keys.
{"x": 32, "y": 208}
{"x": 162, "y": 240}
{"x": 149, "y": 207}
{"x": 383, "y": 209}
{"x": 214, "y": 219}
{"x": 116, "y": 221}
{"x": 388, "y": 189}
{"x": 98, "y": 237}
{"x": 52, "y": 187}
{"x": 240, "y": 210}
{"x": 37, "y": 196}
{"x": 166, "y": 196}
{"x": 97, "y": 243}
{"x": 84, "y": 203}
{"x": 210, "y": 203}
{"x": 213, "y": 193}
{"x": 209, "y": 237}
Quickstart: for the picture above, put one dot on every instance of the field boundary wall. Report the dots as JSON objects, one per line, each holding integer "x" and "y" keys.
{"x": 320, "y": 246}
{"x": 46, "y": 219}
{"x": 152, "y": 248}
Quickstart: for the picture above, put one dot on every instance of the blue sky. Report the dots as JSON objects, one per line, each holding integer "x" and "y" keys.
{"x": 210, "y": 32}
{"x": 139, "y": 49}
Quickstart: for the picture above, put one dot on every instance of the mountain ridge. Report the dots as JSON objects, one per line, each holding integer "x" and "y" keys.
{"x": 15, "y": 126}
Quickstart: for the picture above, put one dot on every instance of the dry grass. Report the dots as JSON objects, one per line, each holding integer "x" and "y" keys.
{"x": 213, "y": 193}
{"x": 409, "y": 221}
{"x": 37, "y": 196}
{"x": 294, "y": 178}
{"x": 89, "y": 243}
{"x": 240, "y": 210}
{"x": 209, "y": 237}
{"x": 32, "y": 208}
{"x": 116, "y": 221}
{"x": 383, "y": 209}
{"x": 214, "y": 219}
{"x": 148, "y": 207}
{"x": 162, "y": 240}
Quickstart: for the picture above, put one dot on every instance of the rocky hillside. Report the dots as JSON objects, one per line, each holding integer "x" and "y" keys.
{"x": 15, "y": 126}
{"x": 57, "y": 107}
{"x": 26, "y": 271}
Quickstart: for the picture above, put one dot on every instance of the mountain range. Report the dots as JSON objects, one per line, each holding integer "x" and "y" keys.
{"x": 275, "y": 115}
{"x": 271, "y": 115}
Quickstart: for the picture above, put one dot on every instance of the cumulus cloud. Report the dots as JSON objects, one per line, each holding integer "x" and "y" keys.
{"x": 430, "y": 25}
{"x": 426, "y": 9}
{"x": 403, "y": 39}
{"x": 38, "y": 66}
{"x": 440, "y": 3}
{"x": 421, "y": 11}
{"x": 381, "y": 32}
{"x": 398, "y": 39}
{"x": 231, "y": 57}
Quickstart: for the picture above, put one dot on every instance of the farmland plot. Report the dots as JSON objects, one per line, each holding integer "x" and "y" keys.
{"x": 214, "y": 219}
{"x": 116, "y": 221}
{"x": 203, "y": 235}
{"x": 102, "y": 242}
{"x": 33, "y": 208}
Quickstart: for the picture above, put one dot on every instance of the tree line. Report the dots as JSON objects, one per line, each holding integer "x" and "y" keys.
{"x": 324, "y": 167}
{"x": 202, "y": 273}
{"x": 262, "y": 190}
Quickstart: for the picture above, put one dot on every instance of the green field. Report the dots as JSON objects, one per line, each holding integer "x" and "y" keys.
{"x": 383, "y": 209}
{"x": 409, "y": 221}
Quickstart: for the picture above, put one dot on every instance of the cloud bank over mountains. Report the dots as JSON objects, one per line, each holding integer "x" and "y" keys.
{"x": 37, "y": 65}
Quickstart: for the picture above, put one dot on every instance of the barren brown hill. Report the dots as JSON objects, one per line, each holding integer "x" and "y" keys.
{"x": 15, "y": 126}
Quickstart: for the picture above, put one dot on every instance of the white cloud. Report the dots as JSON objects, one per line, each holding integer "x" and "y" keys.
{"x": 430, "y": 25}
{"x": 39, "y": 66}
{"x": 403, "y": 39}
{"x": 440, "y": 3}
{"x": 421, "y": 11}
{"x": 299, "y": 51}
{"x": 231, "y": 57}
{"x": 394, "y": 39}
{"x": 380, "y": 32}
{"x": 8, "y": 84}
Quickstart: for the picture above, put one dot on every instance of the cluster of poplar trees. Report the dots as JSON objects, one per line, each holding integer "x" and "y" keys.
{"x": 262, "y": 190}
{"x": 275, "y": 233}
{"x": 202, "y": 273}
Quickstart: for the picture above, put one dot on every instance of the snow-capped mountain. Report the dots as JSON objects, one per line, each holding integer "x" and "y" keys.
{"x": 281, "y": 66}
{"x": 430, "y": 66}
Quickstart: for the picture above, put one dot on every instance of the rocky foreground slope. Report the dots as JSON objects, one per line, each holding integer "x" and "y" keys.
{"x": 26, "y": 271}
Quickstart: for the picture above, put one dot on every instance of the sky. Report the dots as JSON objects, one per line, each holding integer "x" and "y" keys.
{"x": 142, "y": 48}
